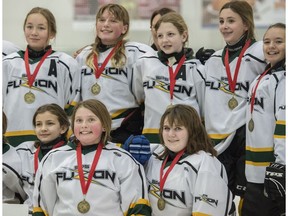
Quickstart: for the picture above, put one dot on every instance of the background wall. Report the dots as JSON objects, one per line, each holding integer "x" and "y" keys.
{"x": 72, "y": 36}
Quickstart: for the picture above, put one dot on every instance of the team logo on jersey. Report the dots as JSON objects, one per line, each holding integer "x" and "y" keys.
{"x": 167, "y": 194}
{"x": 206, "y": 199}
{"x": 163, "y": 84}
{"x": 223, "y": 85}
{"x": 38, "y": 85}
{"x": 72, "y": 174}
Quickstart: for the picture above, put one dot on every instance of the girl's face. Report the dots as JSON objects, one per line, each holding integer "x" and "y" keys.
{"x": 47, "y": 127}
{"x": 36, "y": 32}
{"x": 175, "y": 136}
{"x": 109, "y": 29}
{"x": 87, "y": 127}
{"x": 274, "y": 44}
{"x": 169, "y": 38}
{"x": 231, "y": 26}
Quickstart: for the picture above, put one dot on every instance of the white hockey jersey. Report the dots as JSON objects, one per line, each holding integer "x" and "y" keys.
{"x": 220, "y": 121}
{"x": 151, "y": 85}
{"x": 197, "y": 185}
{"x": 11, "y": 176}
{"x": 262, "y": 146}
{"x": 56, "y": 82}
{"x": 115, "y": 83}
{"x": 117, "y": 188}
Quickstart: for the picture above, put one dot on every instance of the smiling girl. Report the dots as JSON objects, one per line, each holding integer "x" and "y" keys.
{"x": 51, "y": 125}
{"x": 90, "y": 174}
{"x": 36, "y": 76}
{"x": 265, "y": 139}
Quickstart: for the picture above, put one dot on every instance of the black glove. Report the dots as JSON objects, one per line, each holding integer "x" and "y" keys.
{"x": 204, "y": 54}
{"x": 274, "y": 183}
{"x": 139, "y": 148}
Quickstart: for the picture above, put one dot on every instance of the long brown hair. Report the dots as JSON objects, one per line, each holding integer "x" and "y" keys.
{"x": 119, "y": 58}
{"x": 188, "y": 117}
{"x": 245, "y": 11}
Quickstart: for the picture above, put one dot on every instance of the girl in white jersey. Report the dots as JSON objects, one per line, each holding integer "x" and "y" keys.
{"x": 51, "y": 126}
{"x": 12, "y": 191}
{"x": 169, "y": 76}
{"x": 265, "y": 131}
{"x": 228, "y": 74}
{"x": 184, "y": 175}
{"x": 36, "y": 76}
{"x": 106, "y": 72}
{"x": 90, "y": 175}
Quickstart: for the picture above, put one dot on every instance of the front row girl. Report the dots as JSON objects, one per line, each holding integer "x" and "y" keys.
{"x": 89, "y": 174}
{"x": 184, "y": 175}
{"x": 51, "y": 125}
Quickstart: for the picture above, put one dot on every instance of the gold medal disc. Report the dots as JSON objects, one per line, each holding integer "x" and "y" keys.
{"x": 29, "y": 97}
{"x": 95, "y": 89}
{"x": 232, "y": 103}
{"x": 251, "y": 125}
{"x": 83, "y": 206}
{"x": 161, "y": 204}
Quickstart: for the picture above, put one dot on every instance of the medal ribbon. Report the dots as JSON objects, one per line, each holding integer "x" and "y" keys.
{"x": 173, "y": 75}
{"x": 255, "y": 89}
{"x": 232, "y": 83}
{"x": 98, "y": 71}
{"x": 84, "y": 186}
{"x": 31, "y": 77}
{"x": 37, "y": 154}
{"x": 175, "y": 160}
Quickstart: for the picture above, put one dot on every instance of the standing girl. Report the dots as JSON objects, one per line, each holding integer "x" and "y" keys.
{"x": 36, "y": 76}
{"x": 106, "y": 73}
{"x": 265, "y": 140}
{"x": 51, "y": 126}
{"x": 228, "y": 73}
{"x": 170, "y": 76}
{"x": 184, "y": 176}
{"x": 90, "y": 175}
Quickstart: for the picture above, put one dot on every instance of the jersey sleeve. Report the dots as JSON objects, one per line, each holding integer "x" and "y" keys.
{"x": 134, "y": 192}
{"x": 45, "y": 194}
{"x": 211, "y": 193}
{"x": 280, "y": 129}
{"x": 137, "y": 82}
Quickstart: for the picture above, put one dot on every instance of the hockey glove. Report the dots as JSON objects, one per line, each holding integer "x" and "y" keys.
{"x": 139, "y": 148}
{"x": 204, "y": 54}
{"x": 274, "y": 183}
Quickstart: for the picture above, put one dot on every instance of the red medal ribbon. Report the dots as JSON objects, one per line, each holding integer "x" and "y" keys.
{"x": 84, "y": 186}
{"x": 174, "y": 74}
{"x": 163, "y": 178}
{"x": 31, "y": 77}
{"x": 37, "y": 154}
{"x": 255, "y": 89}
{"x": 232, "y": 83}
{"x": 98, "y": 71}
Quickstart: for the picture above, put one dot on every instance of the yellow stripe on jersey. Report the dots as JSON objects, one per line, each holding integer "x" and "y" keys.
{"x": 267, "y": 149}
{"x": 150, "y": 130}
{"x": 20, "y": 133}
{"x": 264, "y": 164}
{"x": 39, "y": 211}
{"x": 218, "y": 136}
{"x": 200, "y": 214}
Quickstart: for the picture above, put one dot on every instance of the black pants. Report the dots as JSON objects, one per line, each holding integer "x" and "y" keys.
{"x": 233, "y": 159}
{"x": 256, "y": 204}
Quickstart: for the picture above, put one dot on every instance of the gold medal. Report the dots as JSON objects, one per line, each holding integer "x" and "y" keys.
{"x": 95, "y": 89}
{"x": 83, "y": 206}
{"x": 29, "y": 97}
{"x": 232, "y": 103}
{"x": 161, "y": 203}
{"x": 251, "y": 125}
